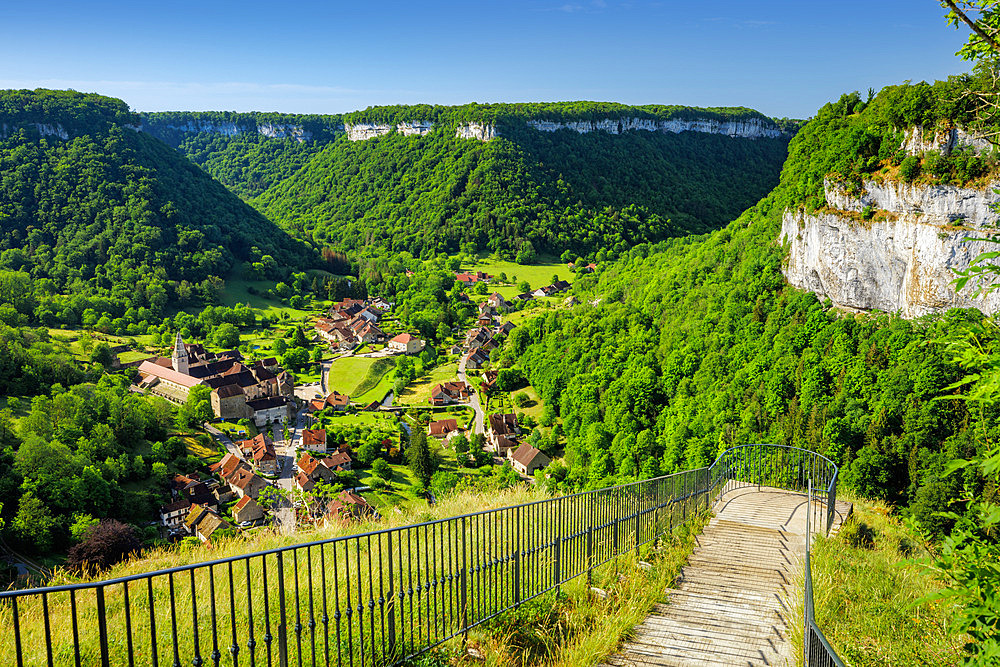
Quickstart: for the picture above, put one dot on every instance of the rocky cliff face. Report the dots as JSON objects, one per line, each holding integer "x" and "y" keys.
{"x": 44, "y": 129}
{"x": 749, "y": 129}
{"x": 230, "y": 129}
{"x": 480, "y": 131}
{"x": 904, "y": 263}
{"x": 363, "y": 131}
{"x": 917, "y": 141}
{"x": 753, "y": 128}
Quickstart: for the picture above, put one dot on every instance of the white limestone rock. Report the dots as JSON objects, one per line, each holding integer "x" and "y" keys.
{"x": 752, "y": 128}
{"x": 480, "y": 131}
{"x": 44, "y": 129}
{"x": 905, "y": 264}
{"x": 917, "y": 142}
{"x": 364, "y": 131}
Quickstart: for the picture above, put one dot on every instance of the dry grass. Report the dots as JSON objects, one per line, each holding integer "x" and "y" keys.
{"x": 576, "y": 627}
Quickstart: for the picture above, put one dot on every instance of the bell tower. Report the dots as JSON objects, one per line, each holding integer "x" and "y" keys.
{"x": 179, "y": 358}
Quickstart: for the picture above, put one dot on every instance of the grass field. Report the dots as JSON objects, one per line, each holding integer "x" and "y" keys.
{"x": 419, "y": 391}
{"x": 346, "y": 373}
{"x": 236, "y": 291}
{"x": 537, "y": 275}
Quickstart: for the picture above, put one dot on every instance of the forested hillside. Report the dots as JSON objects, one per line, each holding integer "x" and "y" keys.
{"x": 248, "y": 153}
{"x": 526, "y": 191}
{"x": 90, "y": 206}
{"x": 698, "y": 344}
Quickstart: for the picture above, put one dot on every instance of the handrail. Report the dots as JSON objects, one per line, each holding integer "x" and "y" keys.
{"x": 379, "y": 597}
{"x": 816, "y": 650}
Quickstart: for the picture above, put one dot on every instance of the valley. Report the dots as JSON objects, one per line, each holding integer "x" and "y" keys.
{"x": 224, "y": 332}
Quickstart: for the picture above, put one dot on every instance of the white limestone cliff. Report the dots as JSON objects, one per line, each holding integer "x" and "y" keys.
{"x": 480, "y": 131}
{"x": 751, "y": 128}
{"x": 230, "y": 129}
{"x": 363, "y": 131}
{"x": 903, "y": 263}
{"x": 917, "y": 141}
{"x": 44, "y": 129}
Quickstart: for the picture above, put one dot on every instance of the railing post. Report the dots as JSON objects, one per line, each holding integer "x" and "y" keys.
{"x": 590, "y": 538}
{"x": 464, "y": 584}
{"x": 637, "y": 505}
{"x": 282, "y": 621}
{"x": 391, "y": 616}
{"x": 103, "y": 625}
{"x": 557, "y": 548}
{"x": 517, "y": 561}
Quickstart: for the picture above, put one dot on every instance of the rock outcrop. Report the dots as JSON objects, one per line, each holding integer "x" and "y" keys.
{"x": 480, "y": 131}
{"x": 230, "y": 129}
{"x": 363, "y": 131}
{"x": 751, "y": 128}
{"x": 945, "y": 141}
{"x": 44, "y": 129}
{"x": 902, "y": 263}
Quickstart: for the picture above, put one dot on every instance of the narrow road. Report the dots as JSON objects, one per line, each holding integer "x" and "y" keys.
{"x": 479, "y": 425}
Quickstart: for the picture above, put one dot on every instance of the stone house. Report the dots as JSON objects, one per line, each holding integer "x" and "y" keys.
{"x": 527, "y": 459}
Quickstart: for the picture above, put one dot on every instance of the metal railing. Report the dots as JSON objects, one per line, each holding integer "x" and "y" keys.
{"x": 376, "y": 598}
{"x": 816, "y": 650}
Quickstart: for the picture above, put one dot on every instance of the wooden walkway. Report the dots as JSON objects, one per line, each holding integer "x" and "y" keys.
{"x": 735, "y": 598}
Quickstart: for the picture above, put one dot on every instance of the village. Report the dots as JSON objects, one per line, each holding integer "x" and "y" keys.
{"x": 304, "y": 455}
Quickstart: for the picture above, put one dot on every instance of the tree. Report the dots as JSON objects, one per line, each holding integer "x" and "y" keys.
{"x": 271, "y": 496}
{"x": 34, "y": 524}
{"x": 198, "y": 406}
{"x": 381, "y": 469}
{"x": 299, "y": 338}
{"x": 296, "y": 358}
{"x": 521, "y": 399}
{"x": 982, "y": 17}
{"x": 524, "y": 286}
{"x": 103, "y": 545}
{"x": 101, "y": 354}
{"x": 418, "y": 456}
{"x": 226, "y": 335}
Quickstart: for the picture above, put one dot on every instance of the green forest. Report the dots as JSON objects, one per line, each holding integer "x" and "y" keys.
{"x": 698, "y": 345}
{"x": 528, "y": 193}
{"x": 114, "y": 213}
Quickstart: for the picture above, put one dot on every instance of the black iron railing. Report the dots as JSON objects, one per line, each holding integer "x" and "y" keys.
{"x": 372, "y": 599}
{"x": 376, "y": 598}
{"x": 816, "y": 650}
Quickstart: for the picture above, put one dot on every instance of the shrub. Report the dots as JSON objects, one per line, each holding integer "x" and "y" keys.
{"x": 909, "y": 169}
{"x": 103, "y": 545}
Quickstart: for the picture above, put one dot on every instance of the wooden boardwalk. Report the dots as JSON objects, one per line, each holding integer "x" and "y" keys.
{"x": 735, "y": 598}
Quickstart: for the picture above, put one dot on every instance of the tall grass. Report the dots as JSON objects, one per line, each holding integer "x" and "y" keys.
{"x": 576, "y": 627}
{"x": 393, "y": 592}
{"x": 869, "y": 582}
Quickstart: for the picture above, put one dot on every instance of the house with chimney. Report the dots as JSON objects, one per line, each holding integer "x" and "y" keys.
{"x": 450, "y": 393}
{"x": 260, "y": 452}
{"x": 502, "y": 432}
{"x": 247, "y": 509}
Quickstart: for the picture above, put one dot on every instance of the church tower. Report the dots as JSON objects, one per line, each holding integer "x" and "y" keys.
{"x": 179, "y": 359}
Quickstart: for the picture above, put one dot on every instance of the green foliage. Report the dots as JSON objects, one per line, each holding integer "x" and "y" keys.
{"x": 523, "y": 193}
{"x": 418, "y": 457}
{"x": 122, "y": 214}
{"x": 698, "y": 345}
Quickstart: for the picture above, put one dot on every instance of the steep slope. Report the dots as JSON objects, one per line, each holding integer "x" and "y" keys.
{"x": 697, "y": 345}
{"x": 97, "y": 206}
{"x": 525, "y": 178}
{"x": 248, "y": 153}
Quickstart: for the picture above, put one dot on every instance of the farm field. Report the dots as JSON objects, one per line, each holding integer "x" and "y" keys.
{"x": 537, "y": 275}
{"x": 419, "y": 391}
{"x": 346, "y": 373}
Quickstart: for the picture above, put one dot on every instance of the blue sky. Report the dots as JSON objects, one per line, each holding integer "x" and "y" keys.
{"x": 785, "y": 58}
